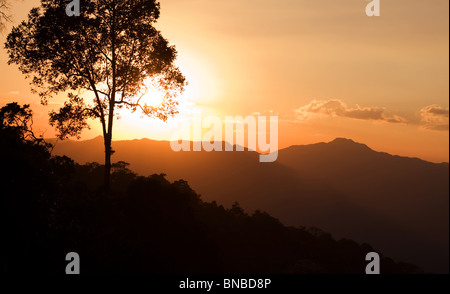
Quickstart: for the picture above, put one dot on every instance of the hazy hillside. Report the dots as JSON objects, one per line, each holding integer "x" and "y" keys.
{"x": 146, "y": 225}
{"x": 397, "y": 204}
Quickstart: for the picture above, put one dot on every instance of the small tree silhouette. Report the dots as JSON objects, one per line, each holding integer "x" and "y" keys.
{"x": 18, "y": 120}
{"x": 110, "y": 51}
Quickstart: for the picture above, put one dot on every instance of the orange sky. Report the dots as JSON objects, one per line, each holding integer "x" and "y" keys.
{"x": 324, "y": 67}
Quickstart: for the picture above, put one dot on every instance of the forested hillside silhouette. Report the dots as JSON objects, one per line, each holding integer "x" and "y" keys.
{"x": 397, "y": 204}
{"x": 51, "y": 205}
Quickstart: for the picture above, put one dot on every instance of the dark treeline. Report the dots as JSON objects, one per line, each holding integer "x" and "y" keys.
{"x": 51, "y": 206}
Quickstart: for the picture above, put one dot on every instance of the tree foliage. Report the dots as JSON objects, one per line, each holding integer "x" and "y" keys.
{"x": 18, "y": 120}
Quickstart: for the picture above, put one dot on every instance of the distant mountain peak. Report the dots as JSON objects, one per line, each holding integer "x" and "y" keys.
{"x": 349, "y": 143}
{"x": 343, "y": 140}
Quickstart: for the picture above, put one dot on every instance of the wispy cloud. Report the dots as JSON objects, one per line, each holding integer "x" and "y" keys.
{"x": 435, "y": 118}
{"x": 14, "y": 93}
{"x": 340, "y": 109}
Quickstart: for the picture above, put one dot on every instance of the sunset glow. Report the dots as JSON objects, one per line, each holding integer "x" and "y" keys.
{"x": 242, "y": 57}
{"x": 189, "y": 140}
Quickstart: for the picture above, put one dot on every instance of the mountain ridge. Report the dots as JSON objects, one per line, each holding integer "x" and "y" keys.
{"x": 337, "y": 141}
{"x": 398, "y": 204}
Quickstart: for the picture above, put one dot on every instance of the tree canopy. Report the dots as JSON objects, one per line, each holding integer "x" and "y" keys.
{"x": 18, "y": 121}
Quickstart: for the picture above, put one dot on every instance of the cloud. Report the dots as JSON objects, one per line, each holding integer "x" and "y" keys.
{"x": 338, "y": 108}
{"x": 435, "y": 118}
{"x": 14, "y": 93}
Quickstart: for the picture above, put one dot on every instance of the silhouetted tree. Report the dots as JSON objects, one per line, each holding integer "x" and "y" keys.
{"x": 19, "y": 120}
{"x": 112, "y": 51}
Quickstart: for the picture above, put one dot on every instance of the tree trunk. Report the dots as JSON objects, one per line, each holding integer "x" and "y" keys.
{"x": 112, "y": 102}
{"x": 107, "y": 179}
